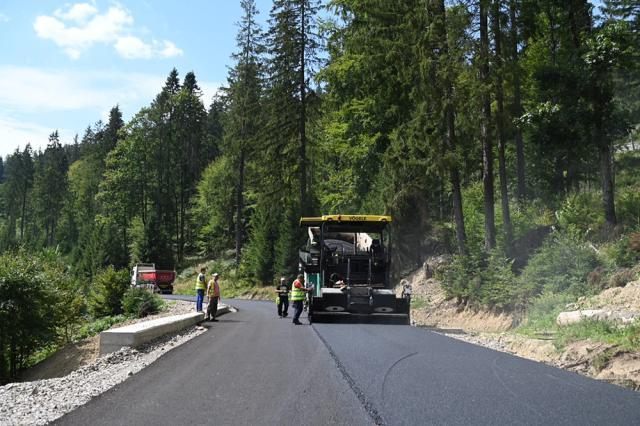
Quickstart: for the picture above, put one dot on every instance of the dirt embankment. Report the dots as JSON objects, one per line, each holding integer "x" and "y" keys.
{"x": 84, "y": 352}
{"x": 434, "y": 310}
{"x": 599, "y": 360}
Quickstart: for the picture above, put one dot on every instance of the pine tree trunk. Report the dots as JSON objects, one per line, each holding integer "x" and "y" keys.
{"x": 24, "y": 209}
{"x": 606, "y": 173}
{"x": 502, "y": 167}
{"x": 487, "y": 144}
{"x": 521, "y": 189}
{"x": 454, "y": 174}
{"x": 239, "y": 207}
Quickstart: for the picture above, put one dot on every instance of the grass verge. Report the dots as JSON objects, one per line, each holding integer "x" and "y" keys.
{"x": 625, "y": 338}
{"x": 231, "y": 286}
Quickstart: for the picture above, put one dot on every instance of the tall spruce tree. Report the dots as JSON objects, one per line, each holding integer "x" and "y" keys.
{"x": 292, "y": 45}
{"x": 50, "y": 186}
{"x": 244, "y": 109}
{"x": 189, "y": 126}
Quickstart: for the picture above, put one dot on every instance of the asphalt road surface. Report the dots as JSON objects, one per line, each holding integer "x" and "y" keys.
{"x": 252, "y": 368}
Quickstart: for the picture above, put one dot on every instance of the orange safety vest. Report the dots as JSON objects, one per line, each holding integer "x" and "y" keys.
{"x": 213, "y": 289}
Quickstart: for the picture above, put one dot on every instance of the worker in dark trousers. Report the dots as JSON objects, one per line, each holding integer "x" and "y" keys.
{"x": 298, "y": 291}
{"x": 213, "y": 292}
{"x": 283, "y": 298}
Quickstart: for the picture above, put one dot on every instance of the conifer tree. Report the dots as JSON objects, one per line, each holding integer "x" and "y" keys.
{"x": 514, "y": 40}
{"x": 244, "y": 109}
{"x": 291, "y": 44}
{"x": 496, "y": 16}
{"x": 485, "y": 133}
{"x": 50, "y": 186}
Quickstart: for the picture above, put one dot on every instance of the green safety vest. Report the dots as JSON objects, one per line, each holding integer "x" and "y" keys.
{"x": 297, "y": 294}
{"x": 200, "y": 285}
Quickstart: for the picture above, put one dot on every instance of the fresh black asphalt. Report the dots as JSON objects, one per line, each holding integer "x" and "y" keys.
{"x": 252, "y": 367}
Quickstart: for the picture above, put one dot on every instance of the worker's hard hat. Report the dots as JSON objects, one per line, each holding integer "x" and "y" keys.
{"x": 282, "y": 278}
{"x": 215, "y": 274}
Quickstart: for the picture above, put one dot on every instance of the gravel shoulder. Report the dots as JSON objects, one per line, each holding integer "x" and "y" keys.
{"x": 76, "y": 374}
{"x": 42, "y": 401}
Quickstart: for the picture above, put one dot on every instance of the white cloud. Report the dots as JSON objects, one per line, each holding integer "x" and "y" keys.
{"x": 30, "y": 97}
{"x": 4, "y": 18}
{"x": 131, "y": 47}
{"x": 36, "y": 90}
{"x": 78, "y": 27}
{"x": 79, "y": 12}
{"x": 170, "y": 50}
{"x": 17, "y": 134}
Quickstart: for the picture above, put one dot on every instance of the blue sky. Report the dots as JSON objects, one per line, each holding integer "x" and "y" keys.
{"x": 63, "y": 65}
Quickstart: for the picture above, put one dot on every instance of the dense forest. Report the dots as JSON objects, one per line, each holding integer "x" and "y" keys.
{"x": 478, "y": 125}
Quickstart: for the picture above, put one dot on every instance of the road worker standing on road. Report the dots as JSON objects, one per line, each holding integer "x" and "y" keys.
{"x": 283, "y": 298}
{"x": 213, "y": 293}
{"x": 201, "y": 284}
{"x": 298, "y": 291}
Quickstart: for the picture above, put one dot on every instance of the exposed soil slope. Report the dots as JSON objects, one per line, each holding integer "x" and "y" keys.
{"x": 84, "y": 352}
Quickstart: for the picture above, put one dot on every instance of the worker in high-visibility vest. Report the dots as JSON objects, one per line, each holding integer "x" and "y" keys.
{"x": 201, "y": 285}
{"x": 213, "y": 293}
{"x": 298, "y": 294}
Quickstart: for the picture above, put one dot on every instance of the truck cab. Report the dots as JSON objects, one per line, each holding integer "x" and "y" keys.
{"x": 145, "y": 275}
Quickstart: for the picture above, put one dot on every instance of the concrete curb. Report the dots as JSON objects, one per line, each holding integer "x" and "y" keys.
{"x": 136, "y": 335}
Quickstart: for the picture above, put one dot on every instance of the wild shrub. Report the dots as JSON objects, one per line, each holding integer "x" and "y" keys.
{"x": 107, "y": 291}
{"x": 475, "y": 280}
{"x": 498, "y": 287}
{"x": 462, "y": 279}
{"x": 94, "y": 327}
{"x": 622, "y": 277}
{"x": 625, "y": 252}
{"x": 472, "y": 206}
{"x": 581, "y": 211}
{"x": 68, "y": 306}
{"x": 24, "y": 324}
{"x": 139, "y": 302}
{"x": 39, "y": 303}
{"x": 628, "y": 206}
{"x": 562, "y": 264}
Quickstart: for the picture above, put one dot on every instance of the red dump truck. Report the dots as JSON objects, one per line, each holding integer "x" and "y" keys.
{"x": 146, "y": 275}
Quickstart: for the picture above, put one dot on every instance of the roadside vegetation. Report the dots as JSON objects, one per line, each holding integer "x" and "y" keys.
{"x": 232, "y": 284}
{"x": 44, "y": 307}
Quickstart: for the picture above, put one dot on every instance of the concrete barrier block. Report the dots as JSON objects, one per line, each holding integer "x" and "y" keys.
{"x": 138, "y": 334}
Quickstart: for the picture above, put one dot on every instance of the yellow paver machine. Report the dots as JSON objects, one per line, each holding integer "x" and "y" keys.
{"x": 347, "y": 260}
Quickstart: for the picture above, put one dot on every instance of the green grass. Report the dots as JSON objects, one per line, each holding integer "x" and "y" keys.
{"x": 541, "y": 320}
{"x": 418, "y": 302}
{"x": 96, "y": 326}
{"x": 625, "y": 338}
{"x": 542, "y": 314}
